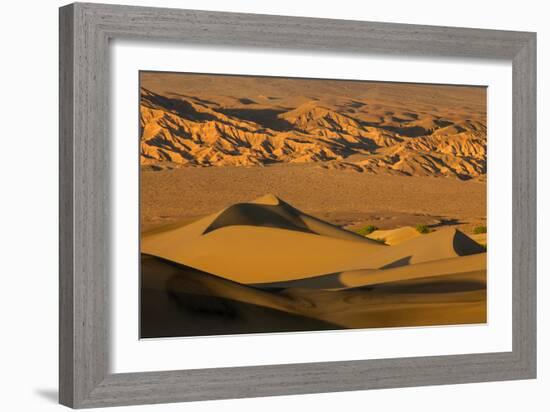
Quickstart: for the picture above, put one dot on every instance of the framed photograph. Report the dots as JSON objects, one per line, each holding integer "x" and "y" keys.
{"x": 256, "y": 205}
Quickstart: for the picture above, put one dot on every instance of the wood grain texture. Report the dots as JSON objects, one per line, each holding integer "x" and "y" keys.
{"x": 66, "y": 229}
{"x": 85, "y": 31}
{"x": 524, "y": 205}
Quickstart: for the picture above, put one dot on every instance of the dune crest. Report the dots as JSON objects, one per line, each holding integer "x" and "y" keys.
{"x": 267, "y": 199}
{"x": 261, "y": 242}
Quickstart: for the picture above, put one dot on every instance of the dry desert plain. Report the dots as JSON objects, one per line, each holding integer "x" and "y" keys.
{"x": 255, "y": 194}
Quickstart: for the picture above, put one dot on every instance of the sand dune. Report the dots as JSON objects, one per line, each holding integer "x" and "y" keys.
{"x": 442, "y": 267}
{"x": 261, "y": 241}
{"x": 182, "y": 301}
{"x": 264, "y": 266}
{"x": 270, "y": 211}
{"x": 395, "y": 236}
{"x": 441, "y": 244}
{"x": 367, "y": 277}
{"x": 270, "y": 241}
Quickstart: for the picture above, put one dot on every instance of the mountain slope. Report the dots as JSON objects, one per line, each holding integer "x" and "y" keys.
{"x": 361, "y": 135}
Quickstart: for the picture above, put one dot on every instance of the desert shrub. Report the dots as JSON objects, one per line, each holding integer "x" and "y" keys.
{"x": 480, "y": 229}
{"x": 380, "y": 240}
{"x": 367, "y": 230}
{"x": 422, "y": 229}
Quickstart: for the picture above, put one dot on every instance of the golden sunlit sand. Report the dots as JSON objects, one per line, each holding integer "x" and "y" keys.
{"x": 280, "y": 205}
{"x": 265, "y": 257}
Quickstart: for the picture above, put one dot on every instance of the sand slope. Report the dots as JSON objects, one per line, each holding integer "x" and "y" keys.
{"x": 395, "y": 236}
{"x": 264, "y": 266}
{"x": 263, "y": 240}
{"x": 182, "y": 301}
{"x": 480, "y": 238}
{"x": 368, "y": 277}
{"x": 270, "y": 241}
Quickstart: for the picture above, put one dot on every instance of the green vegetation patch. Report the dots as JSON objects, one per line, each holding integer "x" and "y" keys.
{"x": 367, "y": 230}
{"x": 480, "y": 229}
{"x": 423, "y": 229}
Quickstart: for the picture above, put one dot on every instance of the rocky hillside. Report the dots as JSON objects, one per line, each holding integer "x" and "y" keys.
{"x": 415, "y": 133}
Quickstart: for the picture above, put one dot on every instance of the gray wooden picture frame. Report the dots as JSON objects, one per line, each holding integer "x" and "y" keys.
{"x": 85, "y": 32}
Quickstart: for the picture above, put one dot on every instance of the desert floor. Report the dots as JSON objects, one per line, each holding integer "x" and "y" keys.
{"x": 344, "y": 198}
